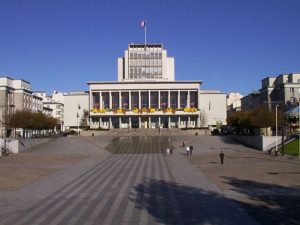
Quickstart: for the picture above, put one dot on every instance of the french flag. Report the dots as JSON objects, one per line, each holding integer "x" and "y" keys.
{"x": 143, "y": 23}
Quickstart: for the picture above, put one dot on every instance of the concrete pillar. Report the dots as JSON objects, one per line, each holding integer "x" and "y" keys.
{"x": 169, "y": 122}
{"x": 189, "y": 122}
{"x": 149, "y": 99}
{"x": 198, "y": 121}
{"x": 129, "y": 99}
{"x": 120, "y": 100}
{"x": 139, "y": 99}
{"x": 130, "y": 123}
{"x": 100, "y": 100}
{"x": 120, "y": 122}
{"x": 188, "y": 99}
{"x": 178, "y": 122}
{"x": 159, "y": 99}
{"x": 149, "y": 122}
{"x": 140, "y": 122}
{"x": 178, "y": 99}
{"x": 169, "y": 97}
{"x": 110, "y": 123}
{"x": 110, "y": 100}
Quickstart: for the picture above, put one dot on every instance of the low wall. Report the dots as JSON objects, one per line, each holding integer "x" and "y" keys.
{"x": 22, "y": 144}
{"x": 263, "y": 143}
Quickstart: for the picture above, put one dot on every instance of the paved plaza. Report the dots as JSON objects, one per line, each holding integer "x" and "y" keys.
{"x": 130, "y": 180}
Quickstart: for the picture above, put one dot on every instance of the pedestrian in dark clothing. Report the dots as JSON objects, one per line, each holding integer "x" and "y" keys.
{"x": 222, "y": 155}
{"x": 191, "y": 150}
{"x": 183, "y": 144}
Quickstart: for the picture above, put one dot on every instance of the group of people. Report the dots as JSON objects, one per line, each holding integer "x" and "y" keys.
{"x": 189, "y": 149}
{"x": 169, "y": 151}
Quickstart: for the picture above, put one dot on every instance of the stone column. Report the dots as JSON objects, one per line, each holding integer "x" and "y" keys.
{"x": 129, "y": 99}
{"x": 169, "y": 97}
{"x": 120, "y": 100}
{"x": 149, "y": 99}
{"x": 139, "y": 99}
{"x": 129, "y": 121}
{"x": 110, "y": 100}
{"x": 140, "y": 122}
{"x": 188, "y": 99}
{"x": 189, "y": 122}
{"x": 169, "y": 121}
{"x": 110, "y": 123}
{"x": 159, "y": 99}
{"x": 100, "y": 100}
{"x": 178, "y": 99}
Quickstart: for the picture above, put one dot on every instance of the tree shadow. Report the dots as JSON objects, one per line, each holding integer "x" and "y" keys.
{"x": 171, "y": 203}
{"x": 269, "y": 203}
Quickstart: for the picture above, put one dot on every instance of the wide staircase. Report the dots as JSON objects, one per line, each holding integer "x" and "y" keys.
{"x": 146, "y": 132}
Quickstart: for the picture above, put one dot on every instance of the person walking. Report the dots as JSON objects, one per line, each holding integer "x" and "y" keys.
{"x": 183, "y": 144}
{"x": 187, "y": 150}
{"x": 191, "y": 150}
{"x": 222, "y": 155}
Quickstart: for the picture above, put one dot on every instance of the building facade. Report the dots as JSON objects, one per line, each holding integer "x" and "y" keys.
{"x": 16, "y": 94}
{"x": 283, "y": 89}
{"x": 146, "y": 95}
{"x": 76, "y": 104}
{"x": 54, "y": 102}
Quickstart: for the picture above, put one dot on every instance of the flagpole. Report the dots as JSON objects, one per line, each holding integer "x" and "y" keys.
{"x": 145, "y": 35}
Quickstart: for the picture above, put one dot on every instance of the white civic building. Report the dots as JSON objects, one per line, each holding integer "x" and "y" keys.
{"x": 146, "y": 95}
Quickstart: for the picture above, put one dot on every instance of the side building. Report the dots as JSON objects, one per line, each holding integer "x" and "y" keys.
{"x": 283, "y": 89}
{"x": 16, "y": 94}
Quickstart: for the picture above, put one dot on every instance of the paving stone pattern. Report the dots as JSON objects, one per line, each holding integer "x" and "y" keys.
{"x": 127, "y": 188}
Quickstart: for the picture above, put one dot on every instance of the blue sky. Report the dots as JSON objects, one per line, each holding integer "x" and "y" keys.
{"x": 228, "y": 44}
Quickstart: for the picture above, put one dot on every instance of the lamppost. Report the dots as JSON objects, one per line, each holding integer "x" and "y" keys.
{"x": 78, "y": 119}
{"x": 276, "y": 150}
{"x": 299, "y": 128}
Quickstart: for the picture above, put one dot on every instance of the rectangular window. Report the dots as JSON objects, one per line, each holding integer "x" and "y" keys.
{"x": 115, "y": 100}
{"x": 134, "y": 100}
{"x": 164, "y": 100}
{"x": 96, "y": 100}
{"x": 105, "y": 100}
{"x": 145, "y": 99}
{"x": 183, "y": 99}
{"x": 193, "y": 99}
{"x": 125, "y": 100}
{"x": 173, "y": 100}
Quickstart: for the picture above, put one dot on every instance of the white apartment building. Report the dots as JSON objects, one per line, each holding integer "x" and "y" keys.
{"x": 234, "y": 102}
{"x": 76, "y": 103}
{"x": 54, "y": 102}
{"x": 146, "y": 95}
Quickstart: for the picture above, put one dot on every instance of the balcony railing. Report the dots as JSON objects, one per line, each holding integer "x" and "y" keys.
{"x": 146, "y": 111}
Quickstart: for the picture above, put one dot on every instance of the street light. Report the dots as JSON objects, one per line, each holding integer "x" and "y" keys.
{"x": 78, "y": 119}
{"x": 276, "y": 150}
{"x": 299, "y": 128}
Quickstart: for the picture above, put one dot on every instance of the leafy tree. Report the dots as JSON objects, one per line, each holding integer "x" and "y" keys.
{"x": 84, "y": 119}
{"x": 248, "y": 120}
{"x": 31, "y": 121}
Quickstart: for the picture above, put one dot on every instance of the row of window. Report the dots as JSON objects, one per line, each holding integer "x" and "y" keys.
{"x": 143, "y": 62}
{"x": 145, "y": 70}
{"x": 155, "y": 102}
{"x": 145, "y": 76}
{"x": 145, "y": 55}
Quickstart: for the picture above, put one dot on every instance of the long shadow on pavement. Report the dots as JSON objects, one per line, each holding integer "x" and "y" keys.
{"x": 171, "y": 203}
{"x": 270, "y": 203}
